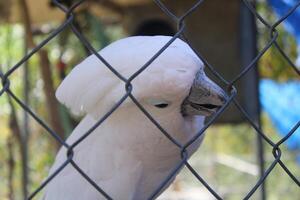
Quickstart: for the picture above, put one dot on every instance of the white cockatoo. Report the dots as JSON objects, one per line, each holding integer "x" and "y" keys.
{"x": 127, "y": 155}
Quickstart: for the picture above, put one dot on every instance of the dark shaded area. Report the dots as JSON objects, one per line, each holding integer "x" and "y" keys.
{"x": 154, "y": 27}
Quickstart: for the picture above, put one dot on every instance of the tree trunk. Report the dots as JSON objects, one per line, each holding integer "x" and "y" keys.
{"x": 11, "y": 168}
{"x": 17, "y": 135}
{"x": 52, "y": 104}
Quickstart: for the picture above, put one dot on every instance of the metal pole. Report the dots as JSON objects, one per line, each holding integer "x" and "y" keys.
{"x": 248, "y": 32}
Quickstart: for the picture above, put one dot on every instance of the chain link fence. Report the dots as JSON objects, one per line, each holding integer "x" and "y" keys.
{"x": 230, "y": 86}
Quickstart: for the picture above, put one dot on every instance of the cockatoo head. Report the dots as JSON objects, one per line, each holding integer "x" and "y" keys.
{"x": 174, "y": 82}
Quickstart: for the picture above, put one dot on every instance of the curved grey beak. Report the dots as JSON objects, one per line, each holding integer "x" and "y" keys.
{"x": 205, "y": 97}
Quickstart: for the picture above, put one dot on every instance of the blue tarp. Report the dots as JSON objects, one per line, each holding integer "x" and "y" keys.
{"x": 281, "y": 101}
{"x": 292, "y": 23}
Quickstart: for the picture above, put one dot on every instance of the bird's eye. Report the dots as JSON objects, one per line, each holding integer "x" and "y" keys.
{"x": 161, "y": 105}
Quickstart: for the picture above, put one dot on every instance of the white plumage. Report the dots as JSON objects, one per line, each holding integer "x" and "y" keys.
{"x": 127, "y": 156}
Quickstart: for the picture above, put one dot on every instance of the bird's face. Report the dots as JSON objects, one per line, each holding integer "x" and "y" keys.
{"x": 201, "y": 96}
{"x": 178, "y": 83}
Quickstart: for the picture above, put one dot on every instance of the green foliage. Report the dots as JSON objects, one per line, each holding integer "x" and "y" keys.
{"x": 272, "y": 64}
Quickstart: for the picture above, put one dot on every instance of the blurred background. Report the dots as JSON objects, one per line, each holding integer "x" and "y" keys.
{"x": 225, "y": 34}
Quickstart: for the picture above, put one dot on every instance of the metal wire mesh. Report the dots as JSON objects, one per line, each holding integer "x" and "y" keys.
{"x": 231, "y": 92}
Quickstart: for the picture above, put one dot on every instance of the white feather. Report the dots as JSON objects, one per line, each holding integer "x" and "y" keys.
{"x": 127, "y": 155}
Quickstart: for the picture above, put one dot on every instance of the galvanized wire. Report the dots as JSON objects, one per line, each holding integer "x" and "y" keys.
{"x": 231, "y": 93}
